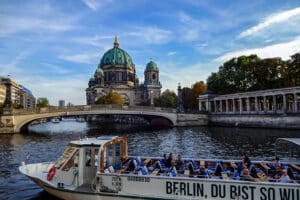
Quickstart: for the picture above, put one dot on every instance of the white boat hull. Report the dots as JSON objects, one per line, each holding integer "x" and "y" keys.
{"x": 128, "y": 186}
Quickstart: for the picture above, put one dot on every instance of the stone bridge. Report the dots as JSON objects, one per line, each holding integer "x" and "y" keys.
{"x": 12, "y": 120}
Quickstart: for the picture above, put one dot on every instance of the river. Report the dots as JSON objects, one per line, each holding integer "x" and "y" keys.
{"x": 46, "y": 142}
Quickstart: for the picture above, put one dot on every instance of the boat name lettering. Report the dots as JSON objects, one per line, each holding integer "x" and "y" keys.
{"x": 138, "y": 179}
{"x": 230, "y": 191}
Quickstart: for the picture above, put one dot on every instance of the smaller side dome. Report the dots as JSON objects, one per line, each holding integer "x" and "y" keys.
{"x": 92, "y": 79}
{"x": 99, "y": 71}
{"x": 151, "y": 66}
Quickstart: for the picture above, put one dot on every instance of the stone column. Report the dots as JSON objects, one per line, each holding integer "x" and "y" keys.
{"x": 226, "y": 104}
{"x": 265, "y": 104}
{"x": 207, "y": 106}
{"x": 221, "y": 106}
{"x": 233, "y": 105}
{"x": 256, "y": 104}
{"x": 295, "y": 102}
{"x": 284, "y": 103}
{"x": 215, "y": 103}
{"x": 241, "y": 105}
{"x": 248, "y": 104}
{"x": 200, "y": 105}
{"x": 274, "y": 103}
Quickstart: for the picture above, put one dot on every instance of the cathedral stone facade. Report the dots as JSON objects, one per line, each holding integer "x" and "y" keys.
{"x": 116, "y": 73}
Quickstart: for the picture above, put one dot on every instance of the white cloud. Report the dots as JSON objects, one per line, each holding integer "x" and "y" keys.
{"x": 171, "y": 53}
{"x": 12, "y": 24}
{"x": 152, "y": 35}
{"x": 95, "y": 4}
{"x": 283, "y": 50}
{"x": 270, "y": 20}
{"x": 88, "y": 58}
{"x": 92, "y": 4}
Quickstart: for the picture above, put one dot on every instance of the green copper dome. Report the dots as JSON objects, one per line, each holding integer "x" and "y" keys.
{"x": 116, "y": 56}
{"x": 151, "y": 66}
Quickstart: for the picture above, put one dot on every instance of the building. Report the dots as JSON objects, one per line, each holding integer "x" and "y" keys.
{"x": 12, "y": 91}
{"x": 17, "y": 95}
{"x": 27, "y": 100}
{"x": 116, "y": 73}
{"x": 61, "y": 103}
{"x": 2, "y": 93}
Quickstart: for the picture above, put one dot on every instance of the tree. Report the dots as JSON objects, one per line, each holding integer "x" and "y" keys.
{"x": 250, "y": 73}
{"x": 197, "y": 89}
{"x": 42, "y": 102}
{"x": 111, "y": 98}
{"x": 186, "y": 98}
{"x": 167, "y": 99}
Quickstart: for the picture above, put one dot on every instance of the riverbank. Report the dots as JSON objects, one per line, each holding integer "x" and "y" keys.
{"x": 291, "y": 121}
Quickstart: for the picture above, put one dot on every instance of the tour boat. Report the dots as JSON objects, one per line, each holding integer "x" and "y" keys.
{"x": 55, "y": 120}
{"x": 99, "y": 168}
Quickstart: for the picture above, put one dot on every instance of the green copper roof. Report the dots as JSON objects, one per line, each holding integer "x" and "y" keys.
{"x": 116, "y": 56}
{"x": 151, "y": 66}
{"x": 99, "y": 70}
{"x": 92, "y": 78}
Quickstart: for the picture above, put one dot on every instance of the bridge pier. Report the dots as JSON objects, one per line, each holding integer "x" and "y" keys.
{"x": 7, "y": 123}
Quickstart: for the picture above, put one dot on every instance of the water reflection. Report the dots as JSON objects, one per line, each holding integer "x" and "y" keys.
{"x": 46, "y": 142}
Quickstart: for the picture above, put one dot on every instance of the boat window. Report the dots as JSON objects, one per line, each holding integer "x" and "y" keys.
{"x": 96, "y": 151}
{"x": 72, "y": 162}
{"x": 67, "y": 153}
{"x": 88, "y": 157}
{"x": 118, "y": 149}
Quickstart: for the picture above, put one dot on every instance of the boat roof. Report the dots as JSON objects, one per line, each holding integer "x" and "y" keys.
{"x": 295, "y": 141}
{"x": 98, "y": 141}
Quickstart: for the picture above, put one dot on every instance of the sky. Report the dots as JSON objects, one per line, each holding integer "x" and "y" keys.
{"x": 54, "y": 47}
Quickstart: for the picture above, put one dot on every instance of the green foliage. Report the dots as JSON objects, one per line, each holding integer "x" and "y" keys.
{"x": 167, "y": 99}
{"x": 111, "y": 98}
{"x": 145, "y": 103}
{"x": 249, "y": 73}
{"x": 42, "y": 102}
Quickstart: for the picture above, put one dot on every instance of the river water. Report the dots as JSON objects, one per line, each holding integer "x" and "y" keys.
{"x": 46, "y": 142}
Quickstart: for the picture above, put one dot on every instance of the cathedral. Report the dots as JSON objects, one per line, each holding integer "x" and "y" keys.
{"x": 116, "y": 73}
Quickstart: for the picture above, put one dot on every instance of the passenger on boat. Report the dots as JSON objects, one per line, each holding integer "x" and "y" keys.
{"x": 169, "y": 160}
{"x": 285, "y": 177}
{"x": 163, "y": 161}
{"x": 290, "y": 173}
{"x": 246, "y": 161}
{"x": 246, "y": 175}
{"x": 219, "y": 169}
{"x": 203, "y": 173}
{"x": 179, "y": 163}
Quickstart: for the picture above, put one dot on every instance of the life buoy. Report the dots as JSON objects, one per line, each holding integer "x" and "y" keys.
{"x": 51, "y": 173}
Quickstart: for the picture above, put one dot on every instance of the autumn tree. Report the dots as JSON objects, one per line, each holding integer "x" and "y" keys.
{"x": 42, "y": 102}
{"x": 197, "y": 89}
{"x": 111, "y": 98}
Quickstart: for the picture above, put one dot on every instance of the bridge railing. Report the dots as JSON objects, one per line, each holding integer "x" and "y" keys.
{"x": 53, "y": 109}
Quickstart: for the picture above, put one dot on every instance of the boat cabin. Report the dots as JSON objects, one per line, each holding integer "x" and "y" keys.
{"x": 84, "y": 158}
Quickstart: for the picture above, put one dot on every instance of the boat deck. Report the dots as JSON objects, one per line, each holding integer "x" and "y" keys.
{"x": 228, "y": 169}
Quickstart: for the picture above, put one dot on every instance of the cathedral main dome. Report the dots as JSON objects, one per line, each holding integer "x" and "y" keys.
{"x": 116, "y": 56}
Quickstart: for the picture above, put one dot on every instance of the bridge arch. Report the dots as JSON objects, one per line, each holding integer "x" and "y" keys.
{"x": 155, "y": 118}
